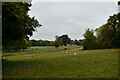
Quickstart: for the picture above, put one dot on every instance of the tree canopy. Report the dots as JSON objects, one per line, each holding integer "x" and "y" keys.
{"x": 64, "y": 40}
{"x": 89, "y": 41}
{"x": 107, "y": 35}
{"x": 17, "y": 24}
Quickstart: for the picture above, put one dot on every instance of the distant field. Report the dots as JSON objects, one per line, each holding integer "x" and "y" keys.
{"x": 40, "y": 49}
{"x": 43, "y": 63}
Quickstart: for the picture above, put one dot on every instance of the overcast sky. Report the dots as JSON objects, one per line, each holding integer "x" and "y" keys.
{"x": 71, "y": 18}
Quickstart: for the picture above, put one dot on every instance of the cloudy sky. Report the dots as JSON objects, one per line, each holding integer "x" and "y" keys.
{"x": 72, "y": 18}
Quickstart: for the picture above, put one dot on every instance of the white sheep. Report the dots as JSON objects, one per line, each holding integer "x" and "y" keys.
{"x": 66, "y": 52}
{"x": 30, "y": 55}
{"x": 74, "y": 53}
{"x": 26, "y": 57}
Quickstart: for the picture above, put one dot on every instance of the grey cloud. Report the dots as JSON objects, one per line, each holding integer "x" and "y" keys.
{"x": 69, "y": 18}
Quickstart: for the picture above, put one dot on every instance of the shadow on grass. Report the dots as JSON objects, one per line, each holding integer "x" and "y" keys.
{"x": 11, "y": 66}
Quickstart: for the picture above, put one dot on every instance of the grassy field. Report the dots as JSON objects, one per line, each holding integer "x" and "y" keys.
{"x": 39, "y": 50}
{"x": 41, "y": 62}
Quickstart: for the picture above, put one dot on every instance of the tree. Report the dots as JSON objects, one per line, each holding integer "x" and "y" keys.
{"x": 104, "y": 36}
{"x": 56, "y": 44}
{"x": 52, "y": 43}
{"x": 41, "y": 43}
{"x": 64, "y": 40}
{"x": 107, "y": 36}
{"x": 77, "y": 42}
{"x": 118, "y": 2}
{"x": 17, "y": 25}
{"x": 89, "y": 41}
{"x": 114, "y": 23}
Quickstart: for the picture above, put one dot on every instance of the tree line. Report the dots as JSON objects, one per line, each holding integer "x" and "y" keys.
{"x": 63, "y": 40}
{"x": 105, "y": 37}
{"x": 18, "y": 26}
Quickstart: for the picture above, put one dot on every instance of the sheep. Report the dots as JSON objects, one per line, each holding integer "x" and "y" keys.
{"x": 27, "y": 56}
{"x": 74, "y": 53}
{"x": 65, "y": 52}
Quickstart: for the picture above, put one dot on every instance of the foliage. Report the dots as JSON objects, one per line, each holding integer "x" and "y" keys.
{"x": 89, "y": 41}
{"x": 56, "y": 44}
{"x": 107, "y": 35}
{"x": 17, "y": 25}
{"x": 41, "y": 43}
{"x": 114, "y": 23}
{"x": 64, "y": 40}
{"x": 52, "y": 43}
{"x": 118, "y": 2}
{"x": 77, "y": 42}
{"x": 104, "y": 36}
{"x": 16, "y": 45}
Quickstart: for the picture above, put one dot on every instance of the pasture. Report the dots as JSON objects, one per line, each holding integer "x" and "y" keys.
{"x": 48, "y": 62}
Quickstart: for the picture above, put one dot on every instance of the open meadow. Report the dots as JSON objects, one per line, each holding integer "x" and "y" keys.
{"x": 60, "y": 39}
{"x": 48, "y": 62}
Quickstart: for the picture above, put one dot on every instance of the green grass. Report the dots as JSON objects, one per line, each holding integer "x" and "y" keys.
{"x": 39, "y": 49}
{"x": 59, "y": 64}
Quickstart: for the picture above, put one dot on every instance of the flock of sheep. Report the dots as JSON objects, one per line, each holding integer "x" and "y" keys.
{"x": 32, "y": 55}
{"x": 67, "y": 52}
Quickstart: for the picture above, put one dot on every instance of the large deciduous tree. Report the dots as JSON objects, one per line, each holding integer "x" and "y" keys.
{"x": 17, "y": 25}
{"x": 107, "y": 35}
{"x": 64, "y": 40}
{"x": 114, "y": 23}
{"x": 103, "y": 36}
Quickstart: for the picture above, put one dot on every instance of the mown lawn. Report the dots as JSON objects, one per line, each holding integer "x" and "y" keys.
{"x": 63, "y": 64}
